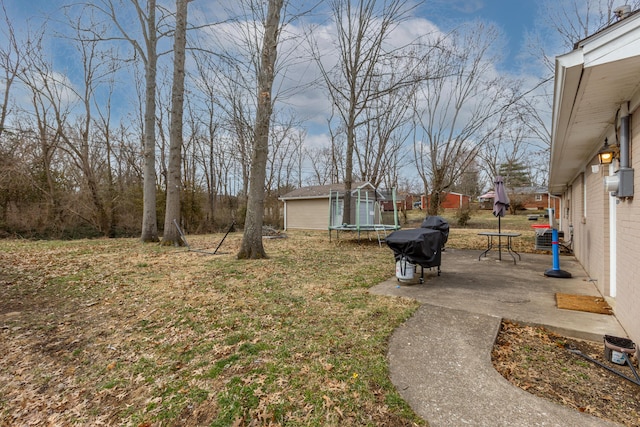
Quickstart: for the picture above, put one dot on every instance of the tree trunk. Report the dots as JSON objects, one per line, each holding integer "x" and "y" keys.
{"x": 48, "y": 147}
{"x": 149, "y": 219}
{"x": 174, "y": 175}
{"x": 434, "y": 203}
{"x": 252, "y": 247}
{"x": 348, "y": 172}
{"x": 111, "y": 188}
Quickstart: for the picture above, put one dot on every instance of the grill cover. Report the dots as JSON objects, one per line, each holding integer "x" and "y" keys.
{"x": 437, "y": 223}
{"x": 419, "y": 245}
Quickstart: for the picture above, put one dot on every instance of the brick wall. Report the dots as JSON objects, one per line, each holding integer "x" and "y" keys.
{"x": 628, "y": 247}
{"x": 588, "y": 214}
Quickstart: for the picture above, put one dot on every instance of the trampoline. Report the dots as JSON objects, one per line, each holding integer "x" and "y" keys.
{"x": 367, "y": 214}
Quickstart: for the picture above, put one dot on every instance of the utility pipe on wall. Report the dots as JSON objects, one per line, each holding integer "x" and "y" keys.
{"x": 621, "y": 182}
{"x": 624, "y": 136}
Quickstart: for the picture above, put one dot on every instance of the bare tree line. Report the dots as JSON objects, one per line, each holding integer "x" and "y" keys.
{"x": 158, "y": 115}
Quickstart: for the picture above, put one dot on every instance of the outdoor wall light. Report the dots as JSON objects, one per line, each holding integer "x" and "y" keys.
{"x": 607, "y": 153}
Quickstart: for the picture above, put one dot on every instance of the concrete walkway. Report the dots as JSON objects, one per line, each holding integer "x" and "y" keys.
{"x": 440, "y": 359}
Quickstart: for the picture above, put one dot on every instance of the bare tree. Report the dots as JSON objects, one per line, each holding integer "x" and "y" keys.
{"x": 285, "y": 146}
{"x": 11, "y": 59}
{"x": 383, "y": 134}
{"x": 358, "y": 78}
{"x": 104, "y": 132}
{"x": 13, "y": 175}
{"x": 577, "y": 19}
{"x": 458, "y": 113}
{"x": 320, "y": 160}
{"x": 526, "y": 138}
{"x": 147, "y": 50}
{"x": 252, "y": 247}
{"x": 283, "y": 162}
{"x": 237, "y": 104}
{"x": 174, "y": 175}
{"x": 508, "y": 145}
{"x": 216, "y": 155}
{"x": 148, "y": 23}
{"x": 43, "y": 129}
{"x": 81, "y": 142}
{"x": 300, "y": 155}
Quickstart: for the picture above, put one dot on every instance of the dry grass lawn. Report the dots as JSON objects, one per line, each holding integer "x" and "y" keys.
{"x": 114, "y": 332}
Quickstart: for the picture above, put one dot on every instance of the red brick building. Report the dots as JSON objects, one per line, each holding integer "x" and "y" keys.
{"x": 450, "y": 201}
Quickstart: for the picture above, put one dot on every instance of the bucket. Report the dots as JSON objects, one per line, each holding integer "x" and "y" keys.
{"x": 616, "y": 347}
{"x": 405, "y": 270}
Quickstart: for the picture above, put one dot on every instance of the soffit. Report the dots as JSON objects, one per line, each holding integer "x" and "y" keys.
{"x": 591, "y": 84}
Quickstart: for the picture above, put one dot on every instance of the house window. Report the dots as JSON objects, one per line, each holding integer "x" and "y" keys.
{"x": 538, "y": 197}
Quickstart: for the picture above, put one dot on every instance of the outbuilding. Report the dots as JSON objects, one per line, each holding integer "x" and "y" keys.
{"x": 319, "y": 207}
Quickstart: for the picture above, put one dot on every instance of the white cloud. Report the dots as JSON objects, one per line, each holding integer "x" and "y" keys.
{"x": 317, "y": 140}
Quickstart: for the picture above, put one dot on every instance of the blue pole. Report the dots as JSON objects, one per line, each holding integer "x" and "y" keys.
{"x": 555, "y": 252}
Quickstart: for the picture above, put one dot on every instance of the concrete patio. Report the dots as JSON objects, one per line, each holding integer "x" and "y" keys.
{"x": 440, "y": 359}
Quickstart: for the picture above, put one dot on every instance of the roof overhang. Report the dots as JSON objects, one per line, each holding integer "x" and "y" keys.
{"x": 308, "y": 193}
{"x": 591, "y": 83}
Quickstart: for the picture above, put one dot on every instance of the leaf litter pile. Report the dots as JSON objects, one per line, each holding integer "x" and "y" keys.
{"x": 114, "y": 332}
{"x": 538, "y": 361}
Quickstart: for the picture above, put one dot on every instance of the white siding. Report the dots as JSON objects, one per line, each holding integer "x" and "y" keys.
{"x": 308, "y": 214}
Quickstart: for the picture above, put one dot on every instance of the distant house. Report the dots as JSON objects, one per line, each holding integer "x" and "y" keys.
{"x": 403, "y": 202}
{"x": 311, "y": 208}
{"x": 485, "y": 201}
{"x": 534, "y": 198}
{"x": 529, "y": 198}
{"x": 450, "y": 200}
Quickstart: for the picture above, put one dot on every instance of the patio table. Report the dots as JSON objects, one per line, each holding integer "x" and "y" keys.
{"x": 490, "y": 245}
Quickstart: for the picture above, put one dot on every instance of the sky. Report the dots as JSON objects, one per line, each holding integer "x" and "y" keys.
{"x": 514, "y": 17}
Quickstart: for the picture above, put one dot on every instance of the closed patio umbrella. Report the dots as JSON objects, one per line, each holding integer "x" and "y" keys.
{"x": 501, "y": 200}
{"x": 500, "y": 206}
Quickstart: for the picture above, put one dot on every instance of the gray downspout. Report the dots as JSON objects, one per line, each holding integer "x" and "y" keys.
{"x": 624, "y": 138}
{"x": 624, "y": 173}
